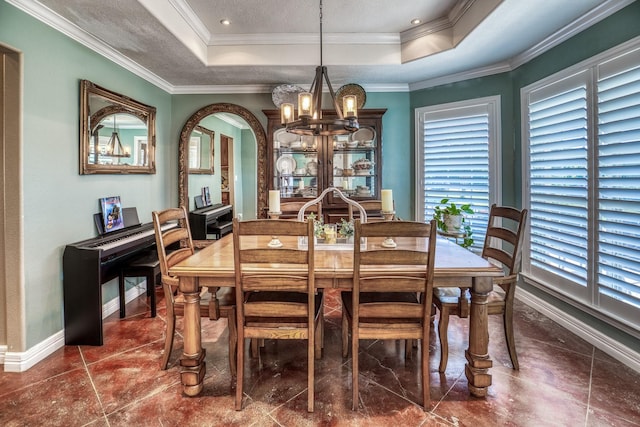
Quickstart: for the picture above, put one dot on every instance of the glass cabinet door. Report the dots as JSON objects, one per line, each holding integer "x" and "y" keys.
{"x": 295, "y": 160}
{"x": 354, "y": 164}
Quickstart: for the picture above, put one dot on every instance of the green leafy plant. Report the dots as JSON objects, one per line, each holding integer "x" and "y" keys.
{"x": 446, "y": 208}
{"x": 346, "y": 228}
{"x": 318, "y": 226}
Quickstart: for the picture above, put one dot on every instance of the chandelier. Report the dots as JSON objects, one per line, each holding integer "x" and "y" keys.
{"x": 310, "y": 120}
{"x": 114, "y": 146}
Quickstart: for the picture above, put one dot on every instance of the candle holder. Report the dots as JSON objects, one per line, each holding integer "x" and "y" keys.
{"x": 389, "y": 242}
{"x": 275, "y": 242}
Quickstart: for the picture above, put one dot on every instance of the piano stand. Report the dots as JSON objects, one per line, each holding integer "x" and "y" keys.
{"x": 146, "y": 266}
{"x": 88, "y": 264}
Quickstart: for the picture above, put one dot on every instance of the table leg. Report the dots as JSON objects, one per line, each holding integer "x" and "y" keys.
{"x": 192, "y": 363}
{"x": 478, "y": 360}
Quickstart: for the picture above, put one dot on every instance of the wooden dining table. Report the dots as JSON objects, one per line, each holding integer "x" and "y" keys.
{"x": 455, "y": 266}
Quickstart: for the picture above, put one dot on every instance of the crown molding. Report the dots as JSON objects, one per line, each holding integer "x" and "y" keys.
{"x": 58, "y": 23}
{"x": 466, "y": 75}
{"x": 594, "y": 16}
{"x": 192, "y": 19}
{"x": 304, "y": 39}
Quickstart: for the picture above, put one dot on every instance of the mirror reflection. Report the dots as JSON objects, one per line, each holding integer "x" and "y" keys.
{"x": 118, "y": 133}
{"x": 238, "y": 171}
{"x": 201, "y": 151}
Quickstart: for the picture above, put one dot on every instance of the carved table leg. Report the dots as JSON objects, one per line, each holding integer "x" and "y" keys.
{"x": 477, "y": 355}
{"x": 192, "y": 363}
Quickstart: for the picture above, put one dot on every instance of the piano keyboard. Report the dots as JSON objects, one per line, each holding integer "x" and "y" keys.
{"x": 123, "y": 240}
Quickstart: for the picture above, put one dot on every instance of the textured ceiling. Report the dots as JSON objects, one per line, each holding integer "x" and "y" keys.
{"x": 181, "y": 45}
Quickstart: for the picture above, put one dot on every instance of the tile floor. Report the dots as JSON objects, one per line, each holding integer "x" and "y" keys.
{"x": 563, "y": 381}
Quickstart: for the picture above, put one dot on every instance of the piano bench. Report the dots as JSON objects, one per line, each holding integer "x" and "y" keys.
{"x": 146, "y": 266}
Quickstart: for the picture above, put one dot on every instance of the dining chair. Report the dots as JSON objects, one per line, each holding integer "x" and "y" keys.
{"x": 387, "y": 305}
{"x": 290, "y": 209}
{"x": 373, "y": 208}
{"x": 276, "y": 302}
{"x": 174, "y": 245}
{"x": 502, "y": 245}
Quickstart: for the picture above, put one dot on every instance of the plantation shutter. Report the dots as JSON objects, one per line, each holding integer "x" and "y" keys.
{"x": 618, "y": 266}
{"x": 456, "y": 163}
{"x": 558, "y": 162}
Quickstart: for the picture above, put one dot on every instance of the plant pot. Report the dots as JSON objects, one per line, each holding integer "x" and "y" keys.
{"x": 452, "y": 222}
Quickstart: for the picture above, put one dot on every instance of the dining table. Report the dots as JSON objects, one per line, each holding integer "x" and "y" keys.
{"x": 455, "y": 266}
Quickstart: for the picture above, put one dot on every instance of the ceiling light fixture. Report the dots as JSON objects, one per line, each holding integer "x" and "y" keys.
{"x": 415, "y": 21}
{"x": 225, "y": 22}
{"x": 114, "y": 146}
{"x": 310, "y": 120}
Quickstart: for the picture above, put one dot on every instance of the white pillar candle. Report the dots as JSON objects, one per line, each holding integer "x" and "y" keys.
{"x": 345, "y": 184}
{"x": 387, "y": 200}
{"x": 301, "y": 185}
{"x": 274, "y": 200}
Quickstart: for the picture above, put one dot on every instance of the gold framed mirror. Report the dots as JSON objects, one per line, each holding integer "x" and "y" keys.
{"x": 117, "y": 133}
{"x": 201, "y": 151}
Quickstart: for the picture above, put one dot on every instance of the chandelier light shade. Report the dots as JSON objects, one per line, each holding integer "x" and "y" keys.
{"x": 309, "y": 120}
{"x": 114, "y": 146}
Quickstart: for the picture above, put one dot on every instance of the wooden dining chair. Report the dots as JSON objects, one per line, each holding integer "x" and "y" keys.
{"x": 290, "y": 209}
{"x": 501, "y": 245}
{"x": 276, "y": 302}
{"x": 373, "y": 208}
{"x": 174, "y": 245}
{"x": 386, "y": 305}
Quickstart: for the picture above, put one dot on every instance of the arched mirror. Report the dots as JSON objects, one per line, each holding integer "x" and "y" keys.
{"x": 118, "y": 134}
{"x": 240, "y": 146}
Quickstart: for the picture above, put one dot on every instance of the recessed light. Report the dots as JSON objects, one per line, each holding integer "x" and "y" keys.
{"x": 415, "y": 21}
{"x": 225, "y": 22}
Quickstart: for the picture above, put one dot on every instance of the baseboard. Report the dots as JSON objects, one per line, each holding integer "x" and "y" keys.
{"x": 22, "y": 361}
{"x": 593, "y": 336}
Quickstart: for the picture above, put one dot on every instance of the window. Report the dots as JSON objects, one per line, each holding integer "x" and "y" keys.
{"x": 581, "y": 146}
{"x": 457, "y": 158}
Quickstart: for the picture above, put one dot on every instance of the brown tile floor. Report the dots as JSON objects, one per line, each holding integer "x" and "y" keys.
{"x": 563, "y": 381}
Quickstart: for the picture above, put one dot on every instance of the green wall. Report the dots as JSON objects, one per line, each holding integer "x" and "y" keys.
{"x": 58, "y": 203}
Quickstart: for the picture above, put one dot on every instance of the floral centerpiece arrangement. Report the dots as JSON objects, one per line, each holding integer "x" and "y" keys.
{"x": 326, "y": 233}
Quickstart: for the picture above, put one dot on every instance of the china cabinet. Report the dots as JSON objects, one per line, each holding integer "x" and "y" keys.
{"x": 301, "y": 167}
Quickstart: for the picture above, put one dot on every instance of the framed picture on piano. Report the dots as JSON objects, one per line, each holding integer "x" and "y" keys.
{"x": 111, "y": 211}
{"x": 206, "y": 196}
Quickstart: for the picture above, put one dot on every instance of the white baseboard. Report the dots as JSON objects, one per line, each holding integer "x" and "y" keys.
{"x": 593, "y": 336}
{"x": 21, "y": 361}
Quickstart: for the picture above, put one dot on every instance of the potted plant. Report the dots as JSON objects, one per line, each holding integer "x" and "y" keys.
{"x": 450, "y": 218}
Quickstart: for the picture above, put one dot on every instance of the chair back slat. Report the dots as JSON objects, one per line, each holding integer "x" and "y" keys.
{"x": 389, "y": 283}
{"x": 395, "y": 229}
{"x": 396, "y": 257}
{"x": 271, "y": 227}
{"x": 503, "y": 240}
{"x": 392, "y": 311}
{"x": 279, "y": 283}
{"x": 271, "y": 256}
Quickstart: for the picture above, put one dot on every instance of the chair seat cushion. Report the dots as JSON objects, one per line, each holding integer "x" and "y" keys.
{"x": 448, "y": 295}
